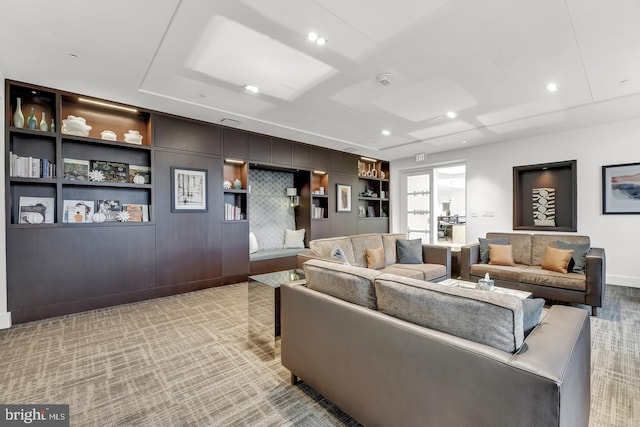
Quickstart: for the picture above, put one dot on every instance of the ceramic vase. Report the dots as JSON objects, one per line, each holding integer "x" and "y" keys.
{"x": 237, "y": 184}
{"x": 52, "y": 128}
{"x": 18, "y": 117}
{"x": 43, "y": 123}
{"x": 32, "y": 122}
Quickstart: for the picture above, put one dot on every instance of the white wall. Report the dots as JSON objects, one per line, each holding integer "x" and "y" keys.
{"x": 489, "y": 187}
{"x": 5, "y": 317}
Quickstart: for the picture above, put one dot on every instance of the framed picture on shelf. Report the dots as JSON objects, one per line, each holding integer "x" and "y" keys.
{"x": 143, "y": 171}
{"x": 621, "y": 189}
{"x": 110, "y": 209}
{"x": 76, "y": 211}
{"x": 111, "y": 171}
{"x": 343, "y": 198}
{"x": 76, "y": 170}
{"x": 36, "y": 210}
{"x": 188, "y": 190}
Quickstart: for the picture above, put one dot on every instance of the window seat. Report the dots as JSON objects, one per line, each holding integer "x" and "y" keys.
{"x": 270, "y": 260}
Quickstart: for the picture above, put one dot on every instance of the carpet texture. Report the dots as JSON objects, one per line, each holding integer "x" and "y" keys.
{"x": 185, "y": 361}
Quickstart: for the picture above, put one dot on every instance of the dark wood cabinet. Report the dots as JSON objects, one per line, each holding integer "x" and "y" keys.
{"x": 235, "y": 252}
{"x": 281, "y": 152}
{"x": 234, "y": 143}
{"x": 186, "y": 135}
{"x": 259, "y": 148}
{"x": 302, "y": 156}
{"x": 320, "y": 159}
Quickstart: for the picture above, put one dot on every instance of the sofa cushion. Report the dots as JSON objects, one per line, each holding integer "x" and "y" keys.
{"x": 501, "y": 255}
{"x": 349, "y": 283}
{"x": 375, "y": 258}
{"x": 541, "y": 241}
{"x": 429, "y": 272}
{"x": 531, "y": 313}
{"x": 484, "y": 247}
{"x": 556, "y": 259}
{"x": 360, "y": 245}
{"x": 389, "y": 243}
{"x": 535, "y": 275}
{"x": 338, "y": 254}
{"x": 579, "y": 256}
{"x": 323, "y": 247}
{"x": 521, "y": 245}
{"x": 409, "y": 251}
{"x": 400, "y": 270}
{"x": 485, "y": 317}
{"x": 501, "y": 272}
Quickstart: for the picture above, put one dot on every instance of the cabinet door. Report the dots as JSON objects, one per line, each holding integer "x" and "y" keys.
{"x": 187, "y": 135}
{"x": 259, "y": 148}
{"x": 281, "y": 152}
{"x": 235, "y": 252}
{"x": 343, "y": 163}
{"x": 234, "y": 143}
{"x": 302, "y": 156}
{"x": 320, "y": 159}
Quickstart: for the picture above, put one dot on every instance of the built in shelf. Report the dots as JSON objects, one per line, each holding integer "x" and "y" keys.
{"x": 71, "y": 182}
{"x": 104, "y": 142}
{"x": 34, "y": 132}
{"x": 33, "y": 180}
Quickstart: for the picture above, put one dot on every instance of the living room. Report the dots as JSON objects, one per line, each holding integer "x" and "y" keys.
{"x": 205, "y": 329}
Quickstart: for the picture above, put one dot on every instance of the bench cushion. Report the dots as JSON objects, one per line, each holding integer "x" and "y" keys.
{"x": 275, "y": 253}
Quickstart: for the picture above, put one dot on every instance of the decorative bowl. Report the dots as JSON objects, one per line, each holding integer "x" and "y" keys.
{"x": 108, "y": 135}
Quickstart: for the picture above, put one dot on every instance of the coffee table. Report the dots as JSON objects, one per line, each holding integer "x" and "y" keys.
{"x": 497, "y": 289}
{"x": 264, "y": 306}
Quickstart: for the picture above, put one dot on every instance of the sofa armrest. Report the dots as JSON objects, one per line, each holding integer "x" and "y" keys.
{"x": 596, "y": 276}
{"x": 469, "y": 255}
{"x": 559, "y": 349}
{"x": 306, "y": 256}
{"x": 436, "y": 254}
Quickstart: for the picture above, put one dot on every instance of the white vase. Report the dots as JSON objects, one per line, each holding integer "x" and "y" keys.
{"x": 43, "y": 123}
{"x": 18, "y": 117}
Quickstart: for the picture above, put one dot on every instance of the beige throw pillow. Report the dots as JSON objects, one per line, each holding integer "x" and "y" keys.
{"x": 375, "y": 258}
{"x": 556, "y": 259}
{"x": 501, "y": 255}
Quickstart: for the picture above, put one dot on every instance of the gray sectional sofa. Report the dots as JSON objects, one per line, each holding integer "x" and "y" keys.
{"x": 396, "y": 351}
{"x": 528, "y": 275}
{"x": 435, "y": 266}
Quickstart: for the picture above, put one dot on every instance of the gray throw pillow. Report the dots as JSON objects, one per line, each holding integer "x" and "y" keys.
{"x": 531, "y": 312}
{"x": 579, "y": 256}
{"x": 338, "y": 253}
{"x": 484, "y": 247}
{"x": 409, "y": 251}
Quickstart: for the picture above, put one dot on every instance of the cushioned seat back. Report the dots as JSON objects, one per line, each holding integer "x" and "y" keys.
{"x": 322, "y": 247}
{"x": 349, "y": 283}
{"x": 361, "y": 243}
{"x": 520, "y": 245}
{"x": 485, "y": 317}
{"x": 389, "y": 243}
{"x": 541, "y": 241}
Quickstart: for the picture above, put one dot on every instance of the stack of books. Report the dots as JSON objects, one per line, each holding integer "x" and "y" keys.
{"x": 232, "y": 212}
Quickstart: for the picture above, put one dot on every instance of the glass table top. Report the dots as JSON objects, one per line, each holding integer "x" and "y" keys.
{"x": 278, "y": 278}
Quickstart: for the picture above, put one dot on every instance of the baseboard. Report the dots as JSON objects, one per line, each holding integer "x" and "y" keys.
{"x": 5, "y": 320}
{"x": 631, "y": 282}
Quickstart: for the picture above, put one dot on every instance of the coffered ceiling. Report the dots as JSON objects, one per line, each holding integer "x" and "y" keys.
{"x": 488, "y": 61}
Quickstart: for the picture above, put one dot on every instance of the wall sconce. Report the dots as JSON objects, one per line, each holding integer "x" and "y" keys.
{"x": 293, "y": 195}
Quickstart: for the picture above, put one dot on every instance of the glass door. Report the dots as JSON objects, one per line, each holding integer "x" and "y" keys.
{"x": 418, "y": 205}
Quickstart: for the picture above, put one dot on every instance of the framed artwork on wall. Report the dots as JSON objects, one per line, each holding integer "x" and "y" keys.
{"x": 621, "y": 189}
{"x": 343, "y": 198}
{"x": 188, "y": 190}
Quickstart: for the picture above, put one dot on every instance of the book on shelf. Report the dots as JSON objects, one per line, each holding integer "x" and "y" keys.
{"x": 318, "y": 212}
{"x": 144, "y": 171}
{"x": 112, "y": 171}
{"x": 30, "y": 167}
{"x": 232, "y": 212}
{"x": 36, "y": 210}
{"x": 75, "y": 169}
{"x": 76, "y": 211}
{"x": 110, "y": 208}
{"x": 135, "y": 212}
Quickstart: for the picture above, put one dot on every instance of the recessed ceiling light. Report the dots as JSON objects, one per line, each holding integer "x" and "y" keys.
{"x": 451, "y": 114}
{"x": 73, "y": 55}
{"x": 321, "y": 41}
{"x": 464, "y": 142}
{"x": 312, "y": 36}
{"x": 552, "y": 87}
{"x": 251, "y": 88}
{"x": 386, "y": 132}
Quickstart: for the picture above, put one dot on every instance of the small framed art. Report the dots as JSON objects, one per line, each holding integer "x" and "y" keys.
{"x": 621, "y": 189}
{"x": 343, "y": 198}
{"x": 189, "y": 190}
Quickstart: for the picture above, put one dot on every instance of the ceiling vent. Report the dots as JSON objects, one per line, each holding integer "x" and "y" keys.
{"x": 230, "y": 122}
{"x": 385, "y": 79}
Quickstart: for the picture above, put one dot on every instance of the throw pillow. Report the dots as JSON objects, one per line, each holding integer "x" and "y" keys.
{"x": 484, "y": 247}
{"x": 409, "y": 251}
{"x": 294, "y": 238}
{"x": 531, "y": 312}
{"x": 500, "y": 255}
{"x": 579, "y": 254}
{"x": 253, "y": 243}
{"x": 338, "y": 253}
{"x": 556, "y": 259}
{"x": 375, "y": 258}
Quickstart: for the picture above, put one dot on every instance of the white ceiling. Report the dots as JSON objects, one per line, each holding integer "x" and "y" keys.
{"x": 489, "y": 61}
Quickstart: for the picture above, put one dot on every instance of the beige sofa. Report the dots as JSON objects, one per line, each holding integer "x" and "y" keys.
{"x": 528, "y": 275}
{"x": 436, "y": 264}
{"x": 396, "y": 351}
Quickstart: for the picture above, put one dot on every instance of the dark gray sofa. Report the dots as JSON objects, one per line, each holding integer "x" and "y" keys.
{"x": 386, "y": 371}
{"x": 528, "y": 275}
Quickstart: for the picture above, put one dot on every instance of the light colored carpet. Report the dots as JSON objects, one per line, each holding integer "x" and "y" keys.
{"x": 185, "y": 361}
